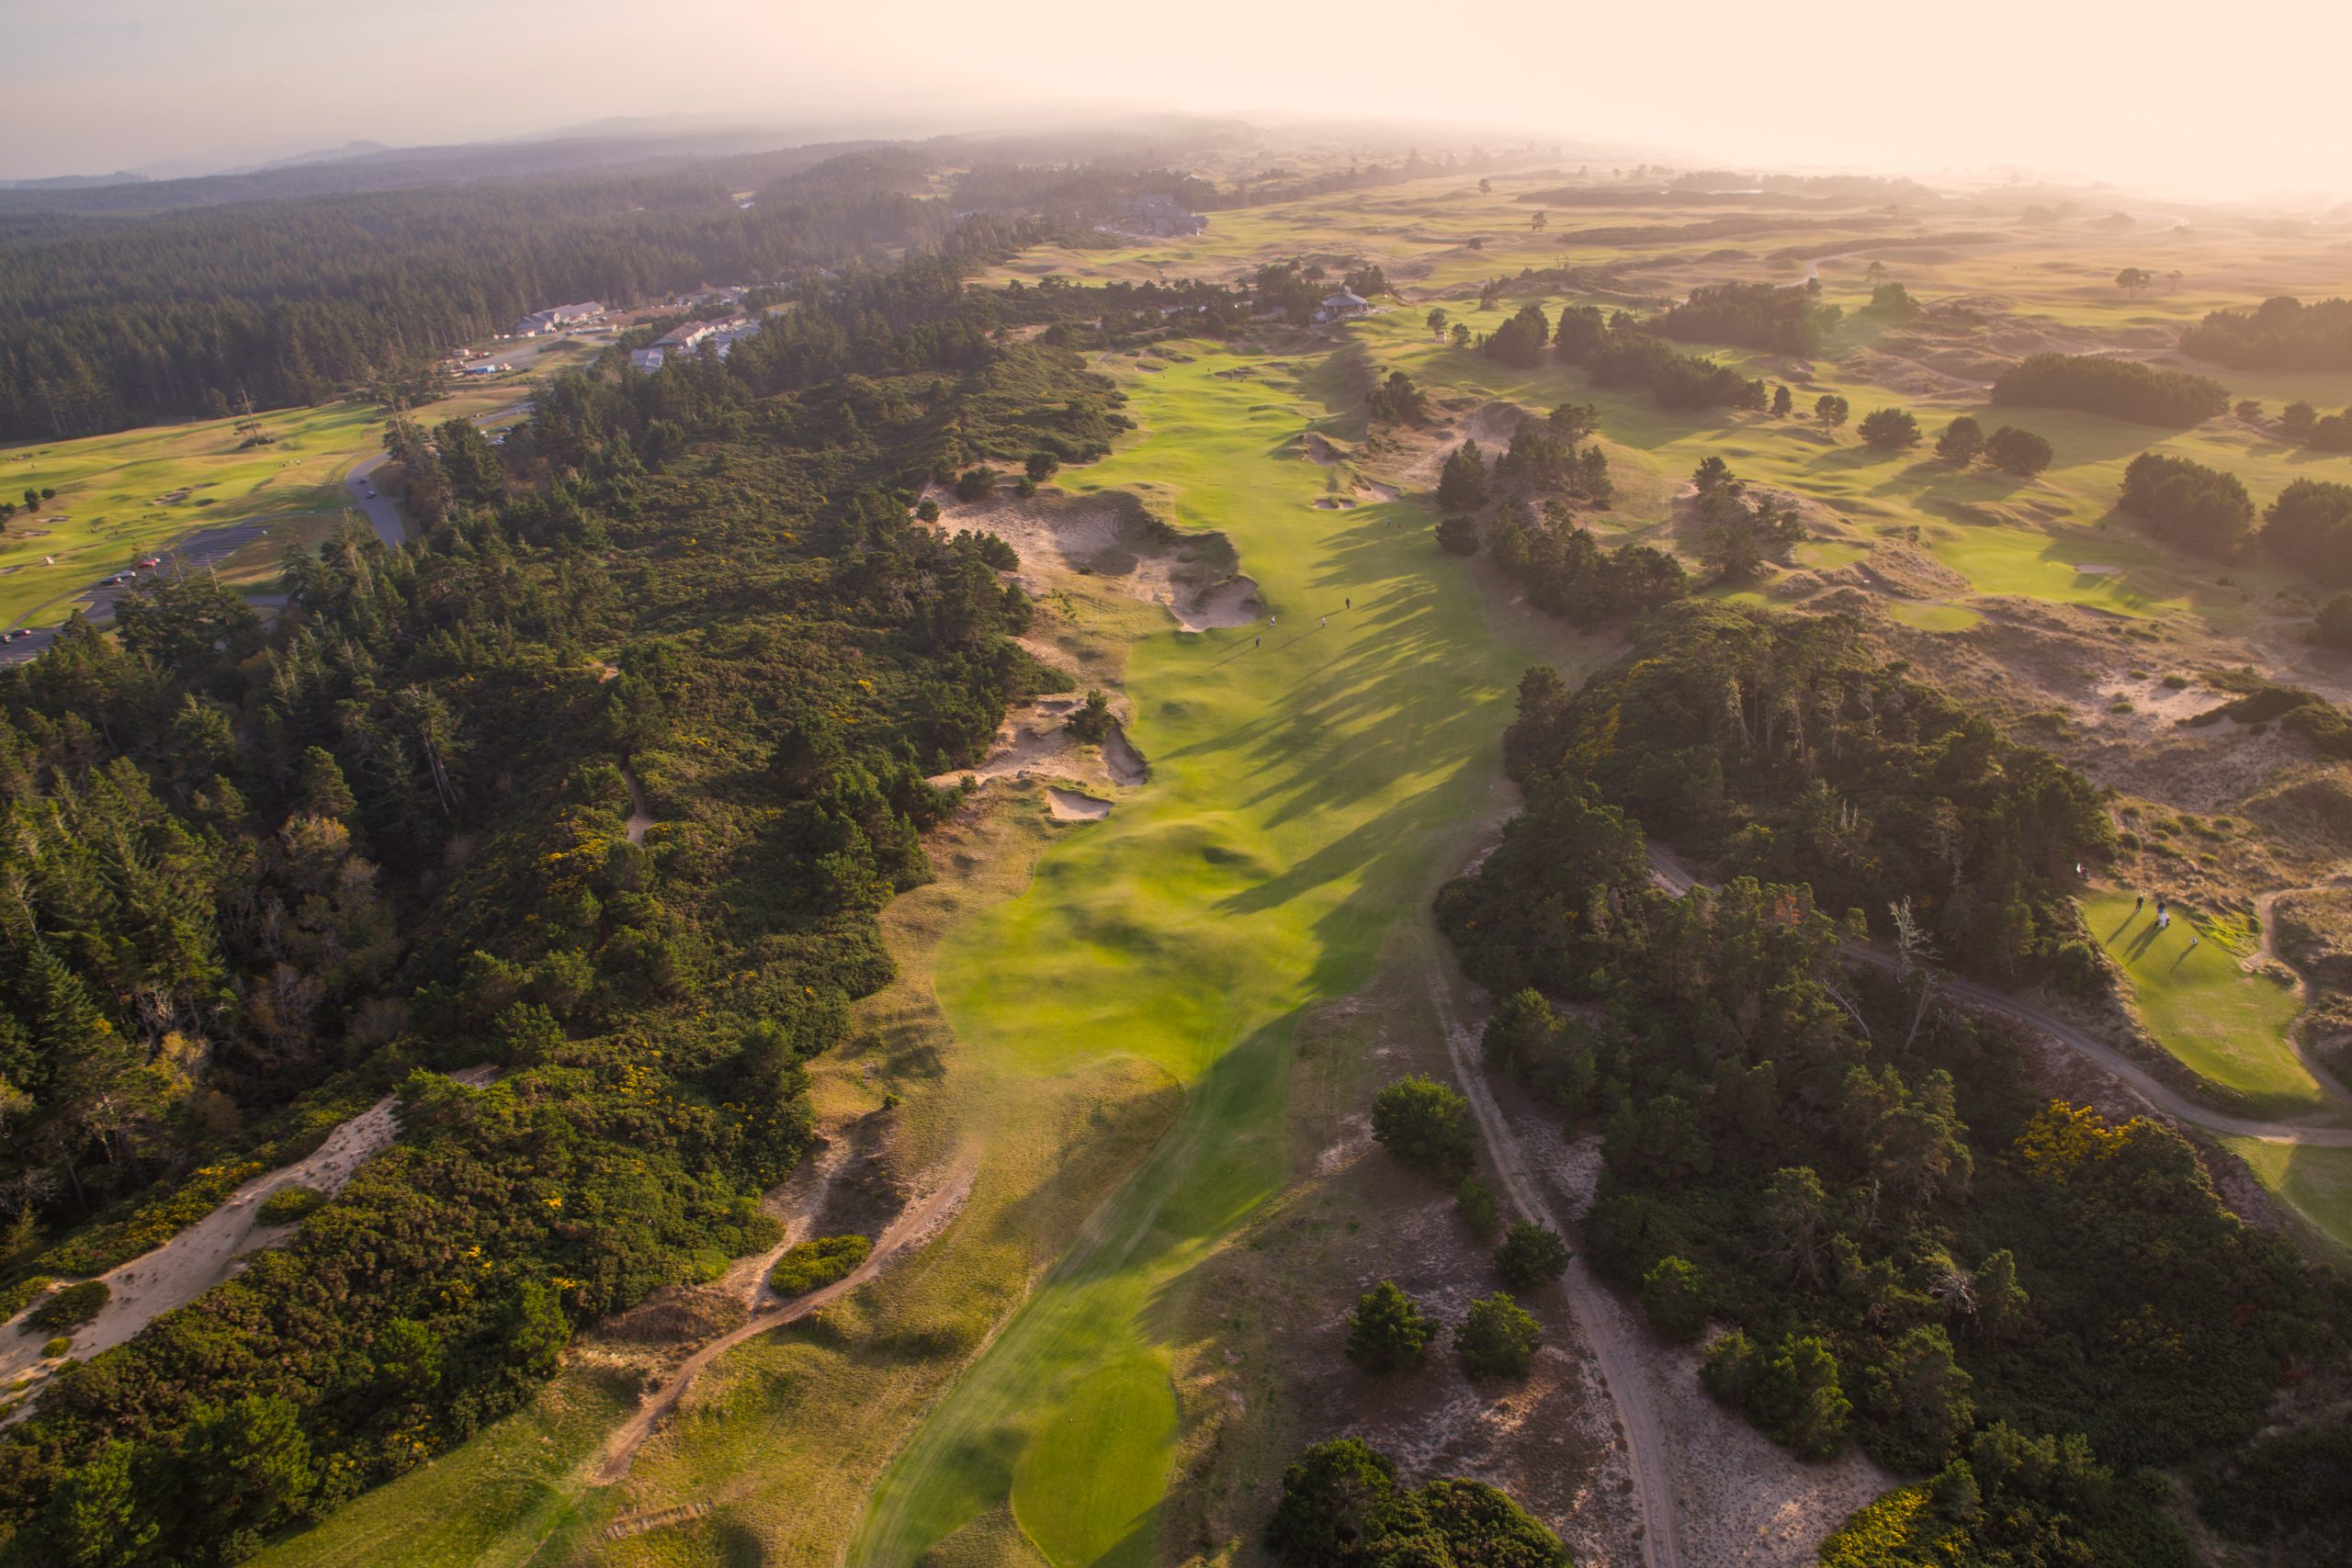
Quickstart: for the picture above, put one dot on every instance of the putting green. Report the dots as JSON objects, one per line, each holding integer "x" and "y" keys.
{"x": 1310, "y": 785}
{"x": 2226, "y": 1025}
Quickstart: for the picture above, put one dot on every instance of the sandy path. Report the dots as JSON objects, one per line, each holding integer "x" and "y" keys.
{"x": 1670, "y": 874}
{"x": 917, "y": 1223}
{"x": 211, "y": 1250}
{"x": 1616, "y": 1347}
{"x": 640, "y": 814}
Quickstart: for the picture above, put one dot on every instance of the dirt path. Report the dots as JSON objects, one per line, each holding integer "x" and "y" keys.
{"x": 212, "y": 1250}
{"x": 640, "y": 814}
{"x": 1614, "y": 1336}
{"x": 917, "y": 1223}
{"x": 1670, "y": 874}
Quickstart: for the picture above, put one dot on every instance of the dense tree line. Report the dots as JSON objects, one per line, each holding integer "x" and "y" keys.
{"x": 2015, "y": 1300}
{"x": 106, "y": 322}
{"x": 2121, "y": 388}
{"x": 1618, "y": 352}
{"x": 386, "y": 837}
{"x": 1570, "y": 574}
{"x": 1786, "y": 748}
{"x": 2283, "y": 334}
{"x": 2204, "y": 509}
{"x": 1793, "y": 319}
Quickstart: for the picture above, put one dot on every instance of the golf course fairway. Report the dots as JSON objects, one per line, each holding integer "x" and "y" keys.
{"x": 1310, "y": 786}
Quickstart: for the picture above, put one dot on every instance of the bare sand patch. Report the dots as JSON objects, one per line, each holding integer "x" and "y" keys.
{"x": 1069, "y": 805}
{"x": 1112, "y": 535}
{"x": 1233, "y": 603}
{"x": 1380, "y": 490}
{"x": 1322, "y": 451}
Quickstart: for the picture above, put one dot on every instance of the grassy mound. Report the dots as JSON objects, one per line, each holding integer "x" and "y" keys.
{"x": 813, "y": 1265}
{"x": 71, "y": 1307}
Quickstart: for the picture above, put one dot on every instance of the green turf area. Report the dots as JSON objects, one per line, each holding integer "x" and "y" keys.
{"x": 1934, "y": 617}
{"x": 515, "y": 1492}
{"x": 1306, "y": 794}
{"x": 132, "y": 493}
{"x": 2227, "y": 1025}
{"x": 2315, "y": 1182}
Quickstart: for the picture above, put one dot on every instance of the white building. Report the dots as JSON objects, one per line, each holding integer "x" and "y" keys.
{"x": 558, "y": 317}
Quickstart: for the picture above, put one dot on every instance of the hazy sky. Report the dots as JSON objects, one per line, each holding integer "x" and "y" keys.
{"x": 2242, "y": 97}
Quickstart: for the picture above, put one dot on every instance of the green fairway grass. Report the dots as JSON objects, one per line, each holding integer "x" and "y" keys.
{"x": 1304, "y": 795}
{"x": 2225, "y": 1024}
{"x": 133, "y": 492}
{"x": 2316, "y": 1183}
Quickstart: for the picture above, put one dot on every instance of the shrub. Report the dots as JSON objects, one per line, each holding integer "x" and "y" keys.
{"x": 1961, "y": 443}
{"x": 2333, "y": 626}
{"x": 58, "y": 1346}
{"x": 1673, "y": 1300}
{"x": 2019, "y": 452}
{"x": 813, "y": 1265}
{"x": 2309, "y": 525}
{"x": 1530, "y": 1256}
{"x": 1091, "y": 721}
{"x": 1041, "y": 467}
{"x": 2190, "y": 504}
{"x": 1498, "y": 1338}
{"x": 927, "y": 510}
{"x": 290, "y": 1205}
{"x": 1890, "y": 429}
{"x": 1476, "y": 1202}
{"x": 1424, "y": 1123}
{"x": 975, "y": 484}
{"x": 70, "y": 1307}
{"x": 1341, "y": 1508}
{"x": 1386, "y": 1333}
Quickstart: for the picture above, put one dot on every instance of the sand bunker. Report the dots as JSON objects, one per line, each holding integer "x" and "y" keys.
{"x": 1333, "y": 503}
{"x": 213, "y": 1248}
{"x": 2093, "y": 570}
{"x": 1127, "y": 764}
{"x": 1111, "y": 536}
{"x": 1233, "y": 603}
{"x": 1069, "y": 806}
{"x": 1380, "y": 491}
{"x": 1320, "y": 450}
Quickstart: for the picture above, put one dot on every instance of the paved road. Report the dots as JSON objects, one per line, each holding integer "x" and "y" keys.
{"x": 1671, "y": 875}
{"x": 381, "y": 514}
{"x": 202, "y": 550}
{"x": 198, "y": 552}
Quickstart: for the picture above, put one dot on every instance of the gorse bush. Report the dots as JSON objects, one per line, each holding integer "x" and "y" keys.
{"x": 1342, "y": 1507}
{"x": 1424, "y": 1123}
{"x": 1530, "y": 1256}
{"x": 1497, "y": 1338}
{"x": 1386, "y": 1333}
{"x": 812, "y": 1264}
{"x": 288, "y": 1205}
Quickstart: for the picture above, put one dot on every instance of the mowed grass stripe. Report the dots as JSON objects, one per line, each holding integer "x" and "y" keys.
{"x": 1305, "y": 791}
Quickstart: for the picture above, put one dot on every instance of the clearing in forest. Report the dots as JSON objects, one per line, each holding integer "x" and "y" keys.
{"x": 2226, "y": 1023}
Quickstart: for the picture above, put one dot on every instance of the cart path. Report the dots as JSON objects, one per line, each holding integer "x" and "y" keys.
{"x": 1608, "y": 1326}
{"x": 915, "y": 1224}
{"x": 1668, "y": 872}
